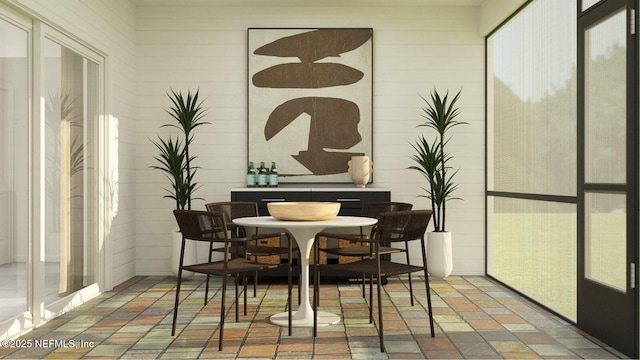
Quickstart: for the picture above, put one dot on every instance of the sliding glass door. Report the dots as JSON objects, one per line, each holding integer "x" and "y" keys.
{"x": 71, "y": 118}
{"x": 51, "y": 101}
{"x": 14, "y": 167}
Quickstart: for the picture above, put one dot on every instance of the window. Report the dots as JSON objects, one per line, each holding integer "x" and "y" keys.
{"x": 531, "y": 154}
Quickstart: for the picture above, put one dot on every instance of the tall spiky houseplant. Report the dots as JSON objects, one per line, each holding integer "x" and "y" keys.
{"x": 175, "y": 158}
{"x": 172, "y": 164}
{"x": 188, "y": 112}
{"x": 432, "y": 161}
{"x": 176, "y": 162}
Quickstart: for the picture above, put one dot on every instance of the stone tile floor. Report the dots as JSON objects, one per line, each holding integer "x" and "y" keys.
{"x": 475, "y": 318}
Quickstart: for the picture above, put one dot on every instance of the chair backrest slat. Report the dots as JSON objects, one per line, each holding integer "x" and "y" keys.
{"x": 201, "y": 225}
{"x": 375, "y": 209}
{"x": 402, "y": 225}
{"x": 234, "y": 209}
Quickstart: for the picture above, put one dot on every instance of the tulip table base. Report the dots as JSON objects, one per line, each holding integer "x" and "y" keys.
{"x": 304, "y": 316}
{"x": 324, "y": 319}
{"x": 304, "y": 233}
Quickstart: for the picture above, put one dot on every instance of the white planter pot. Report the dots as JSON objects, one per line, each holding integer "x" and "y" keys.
{"x": 189, "y": 255}
{"x": 439, "y": 254}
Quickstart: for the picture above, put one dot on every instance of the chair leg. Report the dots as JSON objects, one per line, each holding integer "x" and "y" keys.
{"x": 237, "y": 312}
{"x": 289, "y": 289}
{"x": 222, "y": 312}
{"x": 244, "y": 276}
{"x": 175, "y": 307}
{"x": 406, "y": 245}
{"x": 316, "y": 276}
{"x": 316, "y": 299}
{"x": 380, "y": 325}
{"x": 206, "y": 291}
{"x": 299, "y": 274}
{"x": 411, "y": 290}
{"x": 426, "y": 282}
{"x": 255, "y": 283}
{"x": 370, "y": 299}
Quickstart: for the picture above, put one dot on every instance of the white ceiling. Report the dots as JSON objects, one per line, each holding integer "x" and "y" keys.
{"x": 307, "y": 2}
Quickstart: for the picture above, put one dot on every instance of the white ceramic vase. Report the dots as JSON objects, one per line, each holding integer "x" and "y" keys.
{"x": 439, "y": 254}
{"x": 189, "y": 255}
{"x": 360, "y": 169}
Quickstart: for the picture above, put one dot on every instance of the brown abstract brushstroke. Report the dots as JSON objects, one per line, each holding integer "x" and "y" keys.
{"x": 334, "y": 125}
{"x": 325, "y": 162}
{"x": 306, "y": 76}
{"x": 334, "y": 121}
{"x": 315, "y": 45}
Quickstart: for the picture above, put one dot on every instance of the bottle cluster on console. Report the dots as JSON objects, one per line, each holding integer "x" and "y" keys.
{"x": 262, "y": 176}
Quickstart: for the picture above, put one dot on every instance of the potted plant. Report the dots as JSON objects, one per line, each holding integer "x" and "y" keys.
{"x": 175, "y": 161}
{"x": 433, "y": 163}
{"x": 171, "y": 162}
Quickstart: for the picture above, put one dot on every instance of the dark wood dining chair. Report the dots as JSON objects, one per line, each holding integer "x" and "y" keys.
{"x": 397, "y": 228}
{"x": 358, "y": 249}
{"x": 211, "y": 227}
{"x": 259, "y": 245}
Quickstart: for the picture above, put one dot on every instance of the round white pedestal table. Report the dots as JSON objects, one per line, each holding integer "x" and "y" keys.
{"x": 304, "y": 233}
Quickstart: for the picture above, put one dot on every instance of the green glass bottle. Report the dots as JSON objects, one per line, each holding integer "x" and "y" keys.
{"x": 263, "y": 178}
{"x": 251, "y": 176}
{"x": 273, "y": 175}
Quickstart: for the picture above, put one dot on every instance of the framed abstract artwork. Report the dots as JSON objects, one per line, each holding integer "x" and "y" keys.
{"x": 310, "y": 101}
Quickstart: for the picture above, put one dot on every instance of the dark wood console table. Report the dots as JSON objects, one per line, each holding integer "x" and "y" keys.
{"x": 350, "y": 198}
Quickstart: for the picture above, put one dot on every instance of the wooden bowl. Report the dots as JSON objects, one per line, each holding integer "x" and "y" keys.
{"x": 303, "y": 211}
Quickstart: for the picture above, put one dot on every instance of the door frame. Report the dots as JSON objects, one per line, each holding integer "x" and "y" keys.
{"x": 599, "y": 306}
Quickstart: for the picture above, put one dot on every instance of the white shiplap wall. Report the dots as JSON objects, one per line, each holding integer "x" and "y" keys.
{"x": 107, "y": 27}
{"x": 416, "y": 49}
